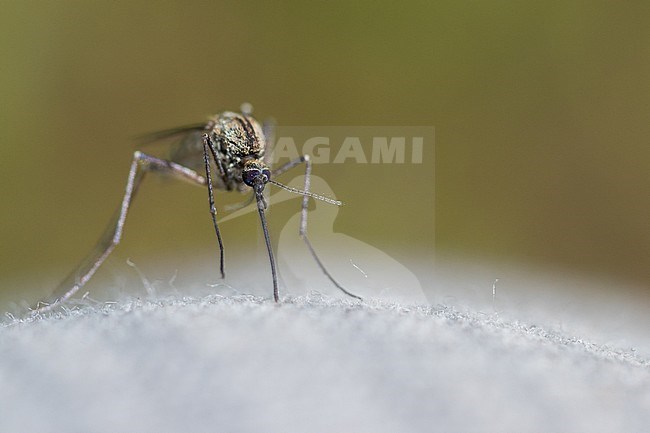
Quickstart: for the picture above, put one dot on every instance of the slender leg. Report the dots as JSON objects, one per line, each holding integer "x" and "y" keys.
{"x": 207, "y": 147}
{"x": 303, "y": 217}
{"x": 141, "y": 164}
{"x": 209, "y": 144}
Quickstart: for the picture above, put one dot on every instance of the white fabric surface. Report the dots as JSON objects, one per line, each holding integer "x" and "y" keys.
{"x": 309, "y": 364}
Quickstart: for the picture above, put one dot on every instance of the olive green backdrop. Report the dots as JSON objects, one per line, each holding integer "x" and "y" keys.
{"x": 540, "y": 110}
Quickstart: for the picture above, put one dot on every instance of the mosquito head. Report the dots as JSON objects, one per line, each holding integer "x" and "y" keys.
{"x": 255, "y": 173}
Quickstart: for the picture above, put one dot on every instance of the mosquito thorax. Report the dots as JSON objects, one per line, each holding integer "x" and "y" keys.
{"x": 241, "y": 134}
{"x": 254, "y": 172}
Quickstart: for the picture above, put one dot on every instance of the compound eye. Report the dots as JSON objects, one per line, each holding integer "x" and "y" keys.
{"x": 249, "y": 176}
{"x": 266, "y": 172}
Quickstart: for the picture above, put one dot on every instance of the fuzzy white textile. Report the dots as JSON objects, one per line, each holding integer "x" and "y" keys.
{"x": 309, "y": 364}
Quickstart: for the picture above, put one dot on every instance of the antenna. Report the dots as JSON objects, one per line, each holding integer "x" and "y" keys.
{"x": 308, "y": 194}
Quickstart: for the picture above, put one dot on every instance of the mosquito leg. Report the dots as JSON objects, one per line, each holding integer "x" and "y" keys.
{"x": 303, "y": 217}
{"x": 207, "y": 148}
{"x": 141, "y": 164}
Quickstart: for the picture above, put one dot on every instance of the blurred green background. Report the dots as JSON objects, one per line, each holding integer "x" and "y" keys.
{"x": 541, "y": 113}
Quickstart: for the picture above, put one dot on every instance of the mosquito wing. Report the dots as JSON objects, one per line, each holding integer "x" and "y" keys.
{"x": 168, "y": 134}
{"x": 186, "y": 146}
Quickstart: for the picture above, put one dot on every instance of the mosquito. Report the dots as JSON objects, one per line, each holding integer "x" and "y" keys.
{"x": 233, "y": 151}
